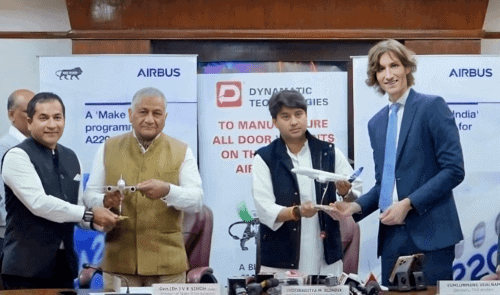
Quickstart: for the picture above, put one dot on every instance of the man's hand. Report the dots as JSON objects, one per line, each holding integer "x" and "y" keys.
{"x": 104, "y": 218}
{"x": 113, "y": 199}
{"x": 307, "y": 209}
{"x": 343, "y": 187}
{"x": 396, "y": 214}
{"x": 154, "y": 188}
{"x": 342, "y": 210}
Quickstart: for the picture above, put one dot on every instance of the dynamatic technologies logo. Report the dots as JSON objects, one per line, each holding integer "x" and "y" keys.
{"x": 228, "y": 94}
{"x": 71, "y": 73}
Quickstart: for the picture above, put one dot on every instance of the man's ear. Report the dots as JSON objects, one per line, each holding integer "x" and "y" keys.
{"x": 11, "y": 115}
{"x": 130, "y": 115}
{"x": 274, "y": 122}
{"x": 30, "y": 121}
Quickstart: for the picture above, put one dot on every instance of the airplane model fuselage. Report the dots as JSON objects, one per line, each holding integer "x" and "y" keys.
{"x": 318, "y": 175}
{"x": 324, "y": 176}
{"x": 121, "y": 187}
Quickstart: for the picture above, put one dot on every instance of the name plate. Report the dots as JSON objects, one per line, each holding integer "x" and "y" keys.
{"x": 186, "y": 289}
{"x": 469, "y": 287}
{"x": 315, "y": 290}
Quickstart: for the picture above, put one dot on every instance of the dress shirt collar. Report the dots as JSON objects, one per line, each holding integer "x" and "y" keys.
{"x": 139, "y": 143}
{"x": 16, "y": 133}
{"x": 303, "y": 150}
{"x": 402, "y": 100}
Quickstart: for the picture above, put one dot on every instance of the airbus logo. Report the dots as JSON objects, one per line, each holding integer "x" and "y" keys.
{"x": 461, "y": 73}
{"x": 159, "y": 72}
{"x": 229, "y": 94}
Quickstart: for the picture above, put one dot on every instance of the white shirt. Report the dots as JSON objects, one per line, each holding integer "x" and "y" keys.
{"x": 4, "y": 146}
{"x": 16, "y": 133}
{"x": 401, "y": 101}
{"x": 311, "y": 247}
{"x": 187, "y": 196}
{"x": 20, "y": 175}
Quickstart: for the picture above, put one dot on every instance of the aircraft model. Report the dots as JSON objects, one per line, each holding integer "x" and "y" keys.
{"x": 122, "y": 188}
{"x": 323, "y": 176}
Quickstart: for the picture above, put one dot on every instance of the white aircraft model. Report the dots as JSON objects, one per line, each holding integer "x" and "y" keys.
{"x": 323, "y": 176}
{"x": 121, "y": 187}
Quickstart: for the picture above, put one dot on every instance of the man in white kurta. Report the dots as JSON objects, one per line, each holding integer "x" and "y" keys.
{"x": 288, "y": 109}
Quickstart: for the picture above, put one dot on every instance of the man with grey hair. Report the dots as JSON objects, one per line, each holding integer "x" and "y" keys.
{"x": 147, "y": 247}
{"x": 17, "y": 105}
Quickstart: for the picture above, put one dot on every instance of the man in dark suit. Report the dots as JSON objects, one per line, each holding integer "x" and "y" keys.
{"x": 418, "y": 161}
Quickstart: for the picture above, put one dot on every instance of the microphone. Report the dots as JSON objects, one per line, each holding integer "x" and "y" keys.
{"x": 100, "y": 271}
{"x": 258, "y": 289}
{"x": 354, "y": 282}
{"x": 239, "y": 289}
{"x": 372, "y": 286}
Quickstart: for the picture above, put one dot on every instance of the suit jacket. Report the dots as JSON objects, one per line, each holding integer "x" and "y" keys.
{"x": 429, "y": 164}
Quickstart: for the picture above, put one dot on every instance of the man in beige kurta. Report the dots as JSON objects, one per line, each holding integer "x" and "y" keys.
{"x": 147, "y": 246}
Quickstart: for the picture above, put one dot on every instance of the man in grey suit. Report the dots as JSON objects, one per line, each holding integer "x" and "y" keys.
{"x": 17, "y": 105}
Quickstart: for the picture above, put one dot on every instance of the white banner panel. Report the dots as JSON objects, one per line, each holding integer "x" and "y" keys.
{"x": 235, "y": 121}
{"x": 97, "y": 91}
{"x": 470, "y": 85}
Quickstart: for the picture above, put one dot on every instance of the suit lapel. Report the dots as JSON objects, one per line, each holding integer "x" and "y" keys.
{"x": 408, "y": 115}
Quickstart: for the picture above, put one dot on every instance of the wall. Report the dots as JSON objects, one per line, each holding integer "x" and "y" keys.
{"x": 34, "y": 15}
{"x": 492, "y": 24}
{"x": 19, "y": 67}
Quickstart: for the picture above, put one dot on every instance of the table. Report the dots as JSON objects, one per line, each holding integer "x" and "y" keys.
{"x": 429, "y": 291}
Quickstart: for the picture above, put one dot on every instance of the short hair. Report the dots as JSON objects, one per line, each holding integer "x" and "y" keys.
{"x": 288, "y": 98}
{"x": 147, "y": 92}
{"x": 43, "y": 97}
{"x": 11, "y": 102}
{"x": 406, "y": 56}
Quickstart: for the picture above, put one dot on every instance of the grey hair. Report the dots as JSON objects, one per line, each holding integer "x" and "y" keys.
{"x": 12, "y": 102}
{"x": 147, "y": 92}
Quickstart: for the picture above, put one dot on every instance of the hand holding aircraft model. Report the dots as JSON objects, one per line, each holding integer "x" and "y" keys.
{"x": 122, "y": 188}
{"x": 325, "y": 177}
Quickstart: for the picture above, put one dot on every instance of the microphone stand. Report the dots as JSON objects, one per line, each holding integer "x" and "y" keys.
{"x": 100, "y": 271}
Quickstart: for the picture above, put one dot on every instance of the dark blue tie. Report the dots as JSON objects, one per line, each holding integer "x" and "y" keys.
{"x": 387, "y": 188}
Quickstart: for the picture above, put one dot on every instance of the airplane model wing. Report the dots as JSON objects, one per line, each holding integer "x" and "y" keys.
{"x": 112, "y": 188}
{"x": 318, "y": 175}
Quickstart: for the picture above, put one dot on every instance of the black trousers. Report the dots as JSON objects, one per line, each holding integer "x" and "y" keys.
{"x": 438, "y": 265}
{"x": 62, "y": 278}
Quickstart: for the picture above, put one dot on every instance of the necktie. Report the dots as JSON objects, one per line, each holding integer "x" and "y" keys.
{"x": 387, "y": 187}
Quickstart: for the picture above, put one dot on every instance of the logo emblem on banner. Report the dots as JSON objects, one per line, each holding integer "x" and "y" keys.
{"x": 71, "y": 73}
{"x": 479, "y": 235}
{"x": 229, "y": 94}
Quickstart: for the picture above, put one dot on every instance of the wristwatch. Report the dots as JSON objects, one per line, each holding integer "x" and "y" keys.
{"x": 88, "y": 216}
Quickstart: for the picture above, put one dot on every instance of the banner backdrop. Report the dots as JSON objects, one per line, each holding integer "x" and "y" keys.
{"x": 235, "y": 121}
{"x": 97, "y": 91}
{"x": 470, "y": 85}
